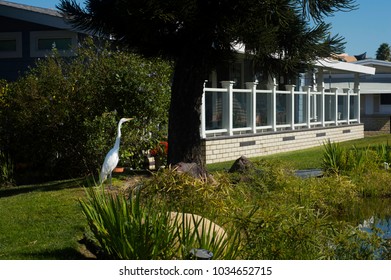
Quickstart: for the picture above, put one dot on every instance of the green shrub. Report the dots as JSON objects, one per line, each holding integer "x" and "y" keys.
{"x": 6, "y": 170}
{"x": 374, "y": 183}
{"x": 64, "y": 112}
{"x": 330, "y": 195}
{"x": 282, "y": 231}
{"x": 264, "y": 176}
{"x": 182, "y": 191}
{"x": 384, "y": 152}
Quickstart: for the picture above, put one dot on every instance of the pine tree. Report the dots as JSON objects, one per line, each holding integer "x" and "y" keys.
{"x": 198, "y": 34}
{"x": 384, "y": 52}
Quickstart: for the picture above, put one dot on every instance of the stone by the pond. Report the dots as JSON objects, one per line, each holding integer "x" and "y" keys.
{"x": 201, "y": 254}
{"x": 308, "y": 173}
{"x": 241, "y": 165}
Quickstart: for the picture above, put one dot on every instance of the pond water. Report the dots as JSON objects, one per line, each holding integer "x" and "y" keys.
{"x": 383, "y": 224}
{"x": 374, "y": 216}
{"x": 368, "y": 214}
{"x": 373, "y": 213}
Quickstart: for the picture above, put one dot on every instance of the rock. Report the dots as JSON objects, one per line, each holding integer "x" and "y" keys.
{"x": 308, "y": 173}
{"x": 241, "y": 165}
{"x": 191, "y": 222}
{"x": 192, "y": 168}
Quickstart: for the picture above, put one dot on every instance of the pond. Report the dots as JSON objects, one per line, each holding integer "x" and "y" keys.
{"x": 373, "y": 215}
{"x": 383, "y": 224}
{"x": 371, "y": 208}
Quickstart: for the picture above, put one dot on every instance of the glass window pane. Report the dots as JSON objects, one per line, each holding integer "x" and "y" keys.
{"x": 213, "y": 110}
{"x": 329, "y": 108}
{"x": 58, "y": 43}
{"x": 240, "y": 110}
{"x": 7, "y": 45}
{"x": 263, "y": 103}
{"x": 282, "y": 109}
{"x": 300, "y": 108}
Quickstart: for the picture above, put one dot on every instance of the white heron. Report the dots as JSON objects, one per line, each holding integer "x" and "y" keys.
{"x": 112, "y": 157}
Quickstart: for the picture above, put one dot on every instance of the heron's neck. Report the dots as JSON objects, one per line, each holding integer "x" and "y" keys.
{"x": 118, "y": 139}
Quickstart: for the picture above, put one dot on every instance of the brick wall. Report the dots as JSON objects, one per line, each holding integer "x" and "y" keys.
{"x": 220, "y": 149}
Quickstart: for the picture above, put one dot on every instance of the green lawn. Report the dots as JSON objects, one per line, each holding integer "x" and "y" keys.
{"x": 45, "y": 221}
{"x": 41, "y": 222}
{"x": 311, "y": 158}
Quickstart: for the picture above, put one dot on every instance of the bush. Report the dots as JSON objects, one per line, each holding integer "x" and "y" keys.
{"x": 339, "y": 160}
{"x": 6, "y": 171}
{"x": 189, "y": 194}
{"x": 129, "y": 229}
{"x": 64, "y": 112}
{"x": 278, "y": 215}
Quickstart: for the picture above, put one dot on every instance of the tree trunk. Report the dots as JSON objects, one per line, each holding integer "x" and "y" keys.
{"x": 184, "y": 141}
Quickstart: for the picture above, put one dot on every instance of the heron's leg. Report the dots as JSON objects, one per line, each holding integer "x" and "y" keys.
{"x": 110, "y": 186}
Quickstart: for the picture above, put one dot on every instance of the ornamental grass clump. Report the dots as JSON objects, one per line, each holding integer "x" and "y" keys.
{"x": 127, "y": 228}
{"x": 334, "y": 158}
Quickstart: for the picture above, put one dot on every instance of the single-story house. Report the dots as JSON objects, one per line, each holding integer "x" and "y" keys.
{"x": 251, "y": 120}
{"x": 28, "y": 33}
{"x": 239, "y": 116}
{"x": 375, "y": 93}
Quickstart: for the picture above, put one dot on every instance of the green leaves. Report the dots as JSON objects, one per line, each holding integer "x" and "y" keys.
{"x": 129, "y": 229}
{"x": 64, "y": 112}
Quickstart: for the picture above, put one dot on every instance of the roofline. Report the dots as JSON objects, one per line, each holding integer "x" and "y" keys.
{"x": 43, "y": 16}
{"x": 344, "y": 66}
{"x": 372, "y": 61}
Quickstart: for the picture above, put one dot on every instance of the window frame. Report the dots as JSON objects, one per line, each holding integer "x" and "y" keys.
{"x": 35, "y": 36}
{"x": 17, "y": 36}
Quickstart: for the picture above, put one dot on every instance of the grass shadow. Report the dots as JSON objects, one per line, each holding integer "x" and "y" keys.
{"x": 60, "y": 254}
{"x": 46, "y": 187}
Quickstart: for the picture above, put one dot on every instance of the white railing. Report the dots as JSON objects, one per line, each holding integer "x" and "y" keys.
{"x": 229, "y": 111}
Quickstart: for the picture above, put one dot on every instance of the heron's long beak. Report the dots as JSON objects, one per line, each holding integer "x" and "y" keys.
{"x": 128, "y": 119}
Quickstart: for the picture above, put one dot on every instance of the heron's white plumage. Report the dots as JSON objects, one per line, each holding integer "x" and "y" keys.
{"x": 112, "y": 157}
{"x": 111, "y": 161}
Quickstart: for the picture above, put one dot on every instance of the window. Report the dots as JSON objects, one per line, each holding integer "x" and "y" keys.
{"x": 61, "y": 44}
{"x": 385, "y": 99}
{"x": 10, "y": 45}
{"x": 43, "y": 42}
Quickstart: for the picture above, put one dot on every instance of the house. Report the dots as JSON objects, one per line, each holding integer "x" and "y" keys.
{"x": 239, "y": 116}
{"x": 375, "y": 94}
{"x": 28, "y": 33}
{"x": 254, "y": 121}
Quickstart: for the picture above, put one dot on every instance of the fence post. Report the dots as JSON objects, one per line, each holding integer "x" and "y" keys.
{"x": 347, "y": 106}
{"x": 322, "y": 104}
{"x": 229, "y": 86}
{"x": 203, "y": 119}
{"x": 335, "y": 91}
{"x": 308, "y": 113}
{"x": 253, "y": 87}
{"x": 291, "y": 89}
{"x": 274, "y": 105}
{"x": 358, "y": 91}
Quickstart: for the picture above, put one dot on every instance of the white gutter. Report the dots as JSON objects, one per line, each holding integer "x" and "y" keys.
{"x": 341, "y": 66}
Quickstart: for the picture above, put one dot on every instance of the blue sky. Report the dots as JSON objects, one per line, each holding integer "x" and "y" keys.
{"x": 363, "y": 29}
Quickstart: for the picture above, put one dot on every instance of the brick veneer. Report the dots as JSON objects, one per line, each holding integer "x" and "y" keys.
{"x": 220, "y": 149}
